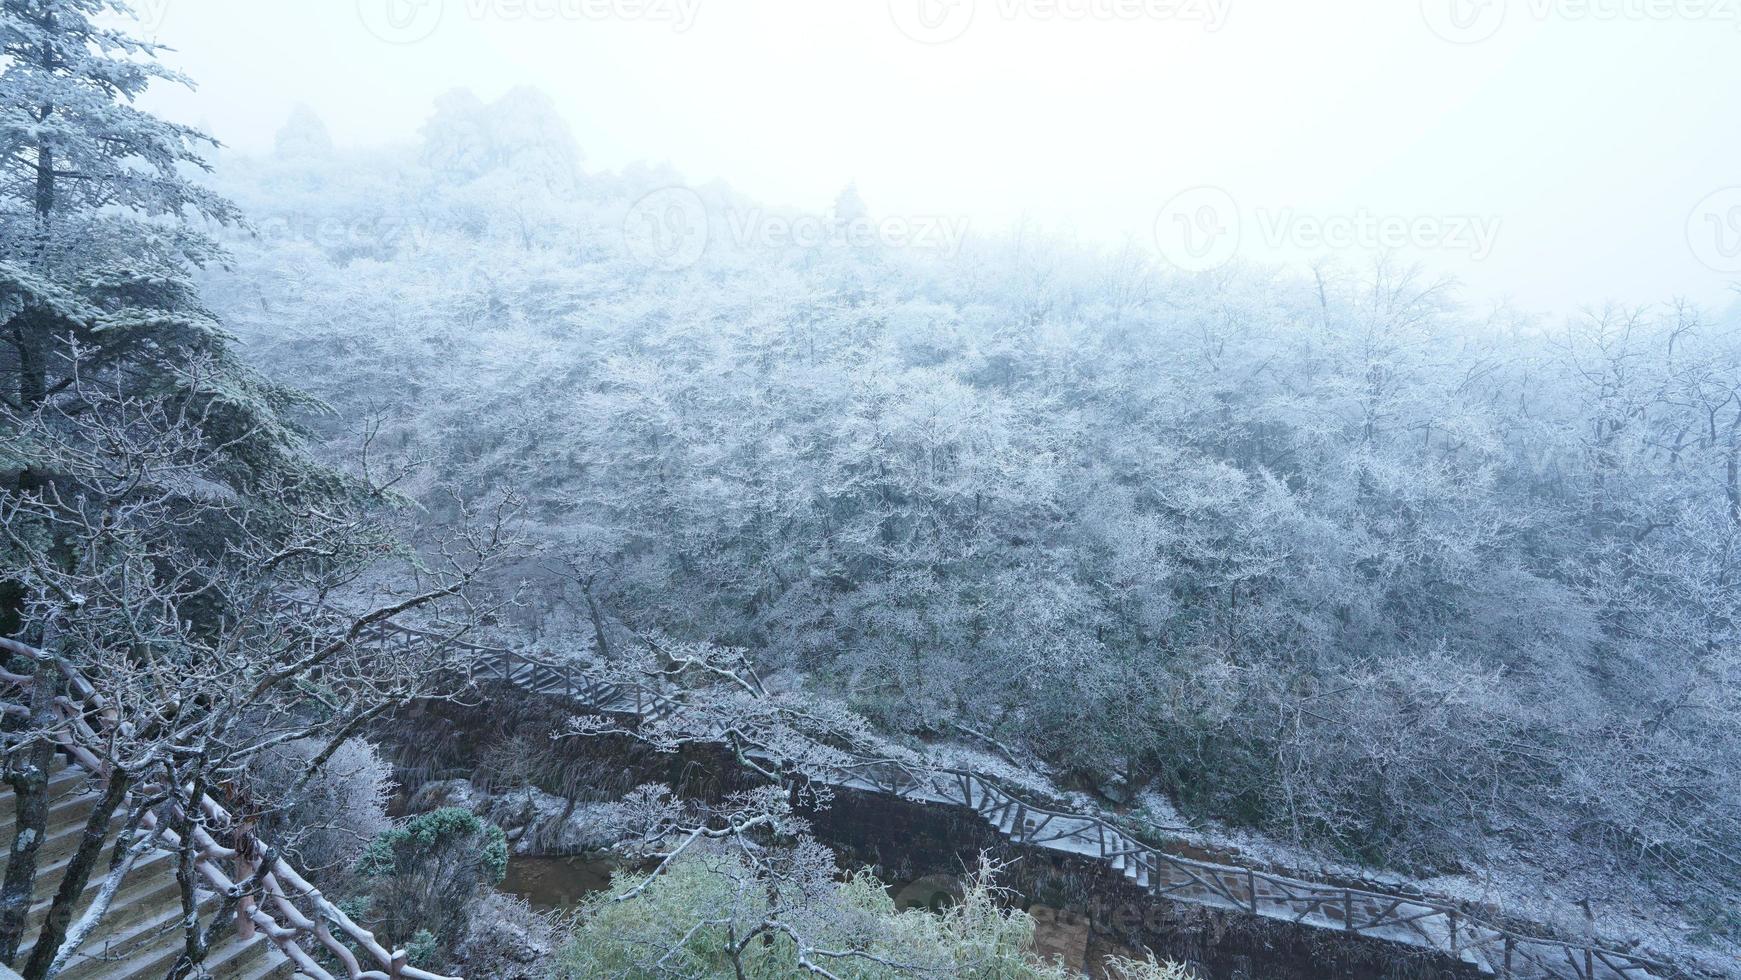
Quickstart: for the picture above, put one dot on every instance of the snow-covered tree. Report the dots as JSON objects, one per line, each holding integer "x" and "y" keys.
{"x": 303, "y": 135}
{"x": 100, "y": 229}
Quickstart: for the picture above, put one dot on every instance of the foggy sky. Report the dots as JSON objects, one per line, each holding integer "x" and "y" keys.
{"x": 1555, "y": 155}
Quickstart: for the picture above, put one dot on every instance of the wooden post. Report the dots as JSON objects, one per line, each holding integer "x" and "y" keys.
{"x": 1348, "y": 910}
{"x": 400, "y": 960}
{"x": 244, "y": 905}
{"x": 245, "y": 868}
{"x": 1510, "y": 947}
{"x": 1251, "y": 888}
{"x": 1453, "y": 917}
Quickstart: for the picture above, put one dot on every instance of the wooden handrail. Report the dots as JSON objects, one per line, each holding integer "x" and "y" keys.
{"x": 209, "y": 855}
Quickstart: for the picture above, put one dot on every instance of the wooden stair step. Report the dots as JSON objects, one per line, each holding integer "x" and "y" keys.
{"x": 149, "y": 944}
{"x": 48, "y": 873}
{"x": 70, "y": 786}
{"x": 232, "y": 957}
{"x": 153, "y": 869}
{"x": 272, "y": 966}
{"x": 62, "y": 841}
{"x": 64, "y": 808}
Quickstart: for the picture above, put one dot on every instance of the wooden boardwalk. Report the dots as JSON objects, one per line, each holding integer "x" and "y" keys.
{"x": 1441, "y": 926}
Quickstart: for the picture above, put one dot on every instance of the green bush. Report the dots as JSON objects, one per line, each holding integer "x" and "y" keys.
{"x": 425, "y": 875}
{"x": 423, "y": 949}
{"x": 695, "y": 919}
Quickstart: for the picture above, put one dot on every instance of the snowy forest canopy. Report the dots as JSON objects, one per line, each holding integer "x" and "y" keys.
{"x": 1330, "y": 556}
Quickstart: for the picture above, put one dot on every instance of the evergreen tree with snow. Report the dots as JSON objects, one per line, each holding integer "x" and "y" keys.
{"x": 101, "y": 227}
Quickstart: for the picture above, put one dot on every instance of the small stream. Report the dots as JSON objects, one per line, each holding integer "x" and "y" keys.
{"x": 556, "y": 883}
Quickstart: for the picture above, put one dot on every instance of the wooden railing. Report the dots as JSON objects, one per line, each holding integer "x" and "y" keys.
{"x": 1444, "y": 927}
{"x": 271, "y": 899}
{"x": 1418, "y": 921}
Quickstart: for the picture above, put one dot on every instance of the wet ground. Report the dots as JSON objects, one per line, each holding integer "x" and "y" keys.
{"x": 555, "y": 883}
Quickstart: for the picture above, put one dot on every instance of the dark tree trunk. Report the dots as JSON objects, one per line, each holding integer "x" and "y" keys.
{"x": 29, "y": 328}
{"x": 44, "y": 176}
{"x": 77, "y": 876}
{"x": 194, "y": 945}
{"x": 1732, "y": 485}
{"x": 31, "y": 348}
{"x": 28, "y": 774}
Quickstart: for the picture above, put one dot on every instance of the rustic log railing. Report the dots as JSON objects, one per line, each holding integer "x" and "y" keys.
{"x": 1441, "y": 926}
{"x": 283, "y": 893}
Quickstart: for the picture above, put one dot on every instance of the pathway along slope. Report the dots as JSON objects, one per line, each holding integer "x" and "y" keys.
{"x": 1444, "y": 927}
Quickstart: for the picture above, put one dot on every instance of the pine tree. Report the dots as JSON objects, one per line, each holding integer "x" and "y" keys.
{"x": 101, "y": 227}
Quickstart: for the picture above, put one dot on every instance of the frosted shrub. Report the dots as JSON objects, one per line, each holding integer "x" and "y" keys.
{"x": 704, "y": 918}
{"x": 325, "y": 824}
